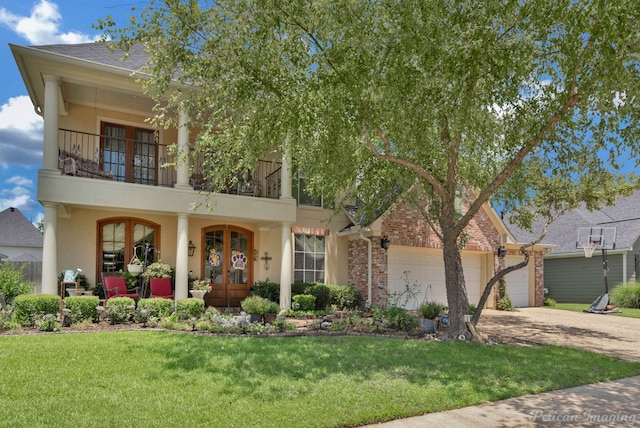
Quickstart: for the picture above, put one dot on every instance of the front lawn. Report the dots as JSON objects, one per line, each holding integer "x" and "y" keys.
{"x": 580, "y": 307}
{"x": 156, "y": 379}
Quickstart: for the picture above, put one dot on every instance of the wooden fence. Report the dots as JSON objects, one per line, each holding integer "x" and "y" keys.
{"x": 32, "y": 272}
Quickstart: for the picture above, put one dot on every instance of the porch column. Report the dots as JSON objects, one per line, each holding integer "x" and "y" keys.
{"x": 285, "y": 174}
{"x": 50, "y": 135}
{"x": 182, "y": 257}
{"x": 286, "y": 267}
{"x": 182, "y": 162}
{"x": 50, "y": 249}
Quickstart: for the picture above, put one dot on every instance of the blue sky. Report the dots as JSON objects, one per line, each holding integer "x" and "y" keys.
{"x": 36, "y": 22}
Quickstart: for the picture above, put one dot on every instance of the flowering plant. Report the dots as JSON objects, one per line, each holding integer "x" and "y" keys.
{"x": 202, "y": 284}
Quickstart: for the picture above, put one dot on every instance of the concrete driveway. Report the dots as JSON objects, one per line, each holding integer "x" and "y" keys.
{"x": 606, "y": 334}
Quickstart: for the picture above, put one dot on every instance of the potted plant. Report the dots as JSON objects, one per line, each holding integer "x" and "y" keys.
{"x": 428, "y": 313}
{"x": 157, "y": 270}
{"x": 271, "y": 313}
{"x": 255, "y": 306}
{"x": 135, "y": 266}
{"x": 200, "y": 288}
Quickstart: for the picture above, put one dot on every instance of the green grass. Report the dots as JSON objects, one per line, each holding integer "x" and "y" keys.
{"x": 580, "y": 307}
{"x": 157, "y": 379}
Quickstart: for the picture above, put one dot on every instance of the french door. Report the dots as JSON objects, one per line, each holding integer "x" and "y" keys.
{"x": 131, "y": 154}
{"x": 228, "y": 263}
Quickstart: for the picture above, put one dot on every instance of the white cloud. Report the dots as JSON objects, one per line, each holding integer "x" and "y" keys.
{"x": 42, "y": 26}
{"x": 20, "y": 133}
{"x": 20, "y": 181}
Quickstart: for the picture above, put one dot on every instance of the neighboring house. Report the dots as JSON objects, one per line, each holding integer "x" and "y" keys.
{"x": 18, "y": 236}
{"x": 20, "y": 243}
{"x": 106, "y": 197}
{"x": 570, "y": 277}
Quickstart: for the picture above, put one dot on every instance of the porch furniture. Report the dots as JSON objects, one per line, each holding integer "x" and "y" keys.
{"x": 116, "y": 286}
{"x": 72, "y": 164}
{"x": 161, "y": 287}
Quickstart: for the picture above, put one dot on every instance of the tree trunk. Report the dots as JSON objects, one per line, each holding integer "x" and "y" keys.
{"x": 456, "y": 289}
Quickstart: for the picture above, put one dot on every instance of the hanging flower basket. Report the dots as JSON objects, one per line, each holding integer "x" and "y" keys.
{"x": 135, "y": 266}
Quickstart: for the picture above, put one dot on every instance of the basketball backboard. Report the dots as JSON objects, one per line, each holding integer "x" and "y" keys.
{"x": 604, "y": 237}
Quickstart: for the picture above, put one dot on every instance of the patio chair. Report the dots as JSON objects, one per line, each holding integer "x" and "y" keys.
{"x": 116, "y": 286}
{"x": 161, "y": 287}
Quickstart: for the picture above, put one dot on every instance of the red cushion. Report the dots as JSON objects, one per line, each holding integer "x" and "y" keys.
{"x": 161, "y": 287}
{"x": 116, "y": 286}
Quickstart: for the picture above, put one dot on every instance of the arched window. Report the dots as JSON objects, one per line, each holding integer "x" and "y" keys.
{"x": 118, "y": 237}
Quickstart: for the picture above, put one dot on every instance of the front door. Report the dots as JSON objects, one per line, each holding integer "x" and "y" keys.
{"x": 228, "y": 263}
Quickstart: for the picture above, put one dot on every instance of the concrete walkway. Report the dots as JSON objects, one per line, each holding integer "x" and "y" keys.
{"x": 614, "y": 403}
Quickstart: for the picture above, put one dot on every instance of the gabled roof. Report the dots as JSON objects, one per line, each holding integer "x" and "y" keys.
{"x": 624, "y": 216}
{"x": 16, "y": 230}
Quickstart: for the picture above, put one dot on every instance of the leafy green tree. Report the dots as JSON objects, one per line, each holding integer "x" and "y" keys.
{"x": 530, "y": 102}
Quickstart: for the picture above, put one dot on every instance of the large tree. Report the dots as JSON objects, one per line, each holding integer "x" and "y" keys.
{"x": 533, "y": 101}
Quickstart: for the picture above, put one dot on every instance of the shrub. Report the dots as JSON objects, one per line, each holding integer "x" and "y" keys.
{"x": 399, "y": 318}
{"x": 626, "y": 295}
{"x": 472, "y": 309}
{"x": 504, "y": 301}
{"x": 300, "y": 287}
{"x": 82, "y": 308}
{"x": 189, "y": 308}
{"x": 28, "y": 307}
{"x": 11, "y": 284}
{"x": 548, "y": 301}
{"x": 156, "y": 307}
{"x": 273, "y": 308}
{"x": 430, "y": 310}
{"x": 322, "y": 294}
{"x": 173, "y": 323}
{"x": 304, "y": 302}
{"x": 343, "y": 296}
{"x": 120, "y": 309}
{"x": 255, "y": 305}
{"x": 267, "y": 289}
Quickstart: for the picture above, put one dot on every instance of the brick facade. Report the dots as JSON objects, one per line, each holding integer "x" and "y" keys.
{"x": 405, "y": 226}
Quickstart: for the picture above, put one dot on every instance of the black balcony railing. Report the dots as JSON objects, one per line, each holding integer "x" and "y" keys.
{"x": 107, "y": 157}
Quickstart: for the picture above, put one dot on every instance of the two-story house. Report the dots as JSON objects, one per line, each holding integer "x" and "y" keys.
{"x": 108, "y": 197}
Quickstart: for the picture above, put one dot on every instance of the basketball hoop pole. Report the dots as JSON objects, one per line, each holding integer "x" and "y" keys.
{"x": 605, "y": 269}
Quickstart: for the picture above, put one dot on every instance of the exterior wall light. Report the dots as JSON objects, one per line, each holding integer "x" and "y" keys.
{"x": 501, "y": 251}
{"x": 385, "y": 242}
{"x": 192, "y": 249}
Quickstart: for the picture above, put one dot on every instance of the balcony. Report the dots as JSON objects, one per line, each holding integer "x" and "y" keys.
{"x": 108, "y": 157}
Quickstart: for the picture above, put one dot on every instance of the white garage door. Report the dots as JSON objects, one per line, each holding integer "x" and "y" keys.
{"x": 518, "y": 283}
{"x": 417, "y": 275}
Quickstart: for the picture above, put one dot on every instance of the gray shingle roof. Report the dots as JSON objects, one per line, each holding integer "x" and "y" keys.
{"x": 99, "y": 53}
{"x": 16, "y": 230}
{"x": 624, "y": 216}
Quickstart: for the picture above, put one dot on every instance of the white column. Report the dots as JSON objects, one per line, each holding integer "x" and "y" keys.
{"x": 285, "y": 175}
{"x": 182, "y": 257}
{"x": 50, "y": 135}
{"x": 182, "y": 166}
{"x": 50, "y": 249}
{"x": 286, "y": 267}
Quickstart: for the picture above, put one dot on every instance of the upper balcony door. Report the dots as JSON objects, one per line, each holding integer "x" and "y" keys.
{"x": 130, "y": 153}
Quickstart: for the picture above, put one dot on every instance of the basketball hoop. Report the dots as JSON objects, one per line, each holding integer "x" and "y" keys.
{"x": 589, "y": 248}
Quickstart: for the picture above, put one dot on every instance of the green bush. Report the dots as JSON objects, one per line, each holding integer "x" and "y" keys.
{"x": 401, "y": 319}
{"x": 626, "y": 295}
{"x": 300, "y": 287}
{"x": 267, "y": 289}
{"x": 322, "y": 294}
{"x": 504, "y": 301}
{"x": 304, "y": 302}
{"x": 11, "y": 284}
{"x": 189, "y": 308}
{"x": 255, "y": 305}
{"x": 343, "y": 296}
{"x": 48, "y": 323}
{"x": 156, "y": 307}
{"x": 548, "y": 301}
{"x": 120, "y": 309}
{"x": 28, "y": 307}
{"x": 82, "y": 308}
